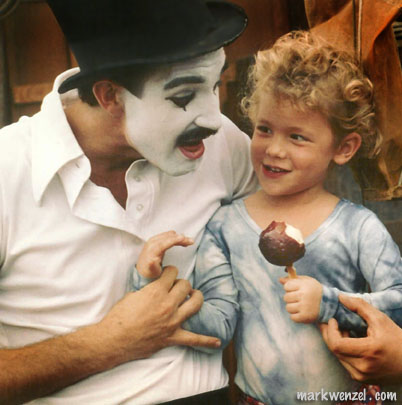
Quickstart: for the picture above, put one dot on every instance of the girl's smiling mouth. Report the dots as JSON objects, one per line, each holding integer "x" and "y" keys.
{"x": 274, "y": 171}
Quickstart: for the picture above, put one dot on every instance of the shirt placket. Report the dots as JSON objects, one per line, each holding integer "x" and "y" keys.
{"x": 140, "y": 189}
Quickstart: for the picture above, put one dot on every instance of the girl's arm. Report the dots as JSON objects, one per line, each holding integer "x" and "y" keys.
{"x": 379, "y": 261}
{"x": 212, "y": 276}
{"x": 381, "y": 265}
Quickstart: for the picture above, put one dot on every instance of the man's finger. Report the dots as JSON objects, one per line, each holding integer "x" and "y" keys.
{"x": 344, "y": 346}
{"x": 180, "y": 291}
{"x": 354, "y": 373}
{"x": 186, "y": 338}
{"x": 168, "y": 277}
{"x": 324, "y": 332}
{"x": 348, "y": 362}
{"x": 345, "y": 333}
{"x": 190, "y": 306}
{"x": 361, "y": 307}
{"x": 331, "y": 331}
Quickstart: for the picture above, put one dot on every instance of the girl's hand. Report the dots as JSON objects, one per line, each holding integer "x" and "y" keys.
{"x": 149, "y": 262}
{"x": 303, "y": 298}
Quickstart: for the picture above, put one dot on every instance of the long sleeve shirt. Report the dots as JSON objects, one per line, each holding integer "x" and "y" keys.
{"x": 277, "y": 357}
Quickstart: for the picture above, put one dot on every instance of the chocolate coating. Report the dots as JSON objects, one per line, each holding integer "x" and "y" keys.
{"x": 278, "y": 247}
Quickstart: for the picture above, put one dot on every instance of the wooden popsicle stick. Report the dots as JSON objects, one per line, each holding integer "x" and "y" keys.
{"x": 291, "y": 271}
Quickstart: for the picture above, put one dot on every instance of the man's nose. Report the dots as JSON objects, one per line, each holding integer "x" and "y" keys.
{"x": 210, "y": 114}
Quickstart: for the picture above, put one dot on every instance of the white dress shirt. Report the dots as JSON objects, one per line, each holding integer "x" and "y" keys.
{"x": 67, "y": 247}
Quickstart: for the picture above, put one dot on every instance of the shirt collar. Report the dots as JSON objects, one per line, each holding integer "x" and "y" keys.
{"x": 53, "y": 142}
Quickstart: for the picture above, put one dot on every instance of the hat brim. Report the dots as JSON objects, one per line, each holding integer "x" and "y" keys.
{"x": 231, "y": 22}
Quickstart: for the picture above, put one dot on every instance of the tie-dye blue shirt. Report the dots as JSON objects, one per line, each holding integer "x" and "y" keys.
{"x": 276, "y": 356}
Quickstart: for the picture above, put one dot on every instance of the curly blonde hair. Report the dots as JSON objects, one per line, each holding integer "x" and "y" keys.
{"x": 313, "y": 75}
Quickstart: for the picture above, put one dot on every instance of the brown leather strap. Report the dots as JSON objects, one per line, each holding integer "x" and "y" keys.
{"x": 217, "y": 397}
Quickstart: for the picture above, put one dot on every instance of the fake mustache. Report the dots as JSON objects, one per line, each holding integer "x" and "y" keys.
{"x": 194, "y": 136}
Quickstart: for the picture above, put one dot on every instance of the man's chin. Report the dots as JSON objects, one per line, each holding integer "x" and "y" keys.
{"x": 180, "y": 169}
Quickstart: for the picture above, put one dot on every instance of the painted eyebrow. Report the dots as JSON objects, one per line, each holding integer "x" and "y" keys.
{"x": 183, "y": 80}
{"x": 189, "y": 79}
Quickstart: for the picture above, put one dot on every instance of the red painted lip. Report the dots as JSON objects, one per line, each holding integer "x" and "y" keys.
{"x": 274, "y": 174}
{"x": 193, "y": 152}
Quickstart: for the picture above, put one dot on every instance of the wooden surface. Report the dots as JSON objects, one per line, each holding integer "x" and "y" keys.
{"x": 36, "y": 52}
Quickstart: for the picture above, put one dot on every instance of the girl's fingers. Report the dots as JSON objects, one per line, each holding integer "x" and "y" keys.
{"x": 293, "y": 308}
{"x": 291, "y": 297}
{"x": 165, "y": 241}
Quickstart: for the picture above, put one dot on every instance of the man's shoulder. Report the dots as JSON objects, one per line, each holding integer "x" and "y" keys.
{"x": 15, "y": 140}
{"x": 15, "y": 158}
{"x": 229, "y": 142}
{"x": 231, "y": 130}
{"x": 225, "y": 214}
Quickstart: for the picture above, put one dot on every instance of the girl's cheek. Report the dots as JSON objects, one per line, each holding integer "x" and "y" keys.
{"x": 255, "y": 152}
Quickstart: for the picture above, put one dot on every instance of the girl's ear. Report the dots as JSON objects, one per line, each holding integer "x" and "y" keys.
{"x": 347, "y": 148}
{"x": 107, "y": 94}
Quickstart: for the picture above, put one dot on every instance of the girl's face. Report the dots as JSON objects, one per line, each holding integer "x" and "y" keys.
{"x": 290, "y": 149}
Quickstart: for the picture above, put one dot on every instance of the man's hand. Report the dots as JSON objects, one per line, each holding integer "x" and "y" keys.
{"x": 149, "y": 262}
{"x": 375, "y": 357}
{"x": 303, "y": 298}
{"x": 139, "y": 325}
{"x": 150, "y": 319}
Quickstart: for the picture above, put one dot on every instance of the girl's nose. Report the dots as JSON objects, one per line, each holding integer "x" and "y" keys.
{"x": 276, "y": 148}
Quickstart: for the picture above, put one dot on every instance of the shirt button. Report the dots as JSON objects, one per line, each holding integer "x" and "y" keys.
{"x": 137, "y": 179}
{"x": 140, "y": 207}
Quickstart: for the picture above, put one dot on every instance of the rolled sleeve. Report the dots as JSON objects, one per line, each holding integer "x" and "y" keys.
{"x": 138, "y": 281}
{"x": 329, "y": 304}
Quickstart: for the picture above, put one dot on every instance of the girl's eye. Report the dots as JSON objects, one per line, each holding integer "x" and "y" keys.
{"x": 182, "y": 100}
{"x": 264, "y": 129}
{"x": 299, "y": 138}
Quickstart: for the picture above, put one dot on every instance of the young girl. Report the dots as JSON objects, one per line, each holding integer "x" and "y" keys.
{"x": 311, "y": 108}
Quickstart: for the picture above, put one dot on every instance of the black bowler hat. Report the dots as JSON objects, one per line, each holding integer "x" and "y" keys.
{"x": 106, "y": 35}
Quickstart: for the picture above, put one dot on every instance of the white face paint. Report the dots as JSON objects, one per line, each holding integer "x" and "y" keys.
{"x": 179, "y": 107}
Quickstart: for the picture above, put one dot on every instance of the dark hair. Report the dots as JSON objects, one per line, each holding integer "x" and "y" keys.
{"x": 132, "y": 78}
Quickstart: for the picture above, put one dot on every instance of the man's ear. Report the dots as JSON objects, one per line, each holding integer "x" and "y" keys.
{"x": 107, "y": 95}
{"x": 347, "y": 148}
